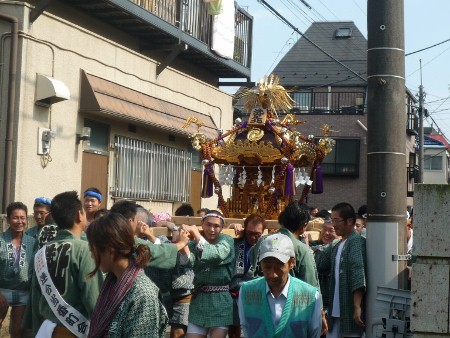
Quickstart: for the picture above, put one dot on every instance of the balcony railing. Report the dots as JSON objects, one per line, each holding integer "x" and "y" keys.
{"x": 412, "y": 123}
{"x": 340, "y": 103}
{"x": 192, "y": 18}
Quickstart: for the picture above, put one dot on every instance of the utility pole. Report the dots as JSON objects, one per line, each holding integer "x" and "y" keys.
{"x": 386, "y": 174}
{"x": 421, "y": 113}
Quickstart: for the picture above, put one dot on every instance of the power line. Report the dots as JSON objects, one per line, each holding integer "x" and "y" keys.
{"x": 271, "y": 9}
{"x": 421, "y": 50}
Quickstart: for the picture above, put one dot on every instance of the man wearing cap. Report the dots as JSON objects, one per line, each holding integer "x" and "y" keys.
{"x": 293, "y": 221}
{"x": 278, "y": 305}
{"x": 42, "y": 216}
{"x": 91, "y": 203}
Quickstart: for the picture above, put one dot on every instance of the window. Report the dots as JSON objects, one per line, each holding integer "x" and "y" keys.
{"x": 343, "y": 33}
{"x": 432, "y": 162}
{"x": 343, "y": 159}
{"x": 99, "y": 136}
{"x": 145, "y": 170}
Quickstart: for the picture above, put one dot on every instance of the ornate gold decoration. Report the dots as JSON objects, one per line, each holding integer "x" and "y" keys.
{"x": 255, "y": 134}
{"x": 304, "y": 148}
{"x": 326, "y": 130}
{"x": 290, "y": 119}
{"x": 192, "y": 119}
{"x": 234, "y": 152}
{"x": 197, "y": 140}
{"x": 327, "y": 144}
{"x": 268, "y": 93}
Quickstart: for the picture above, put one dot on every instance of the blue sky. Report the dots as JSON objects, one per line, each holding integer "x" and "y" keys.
{"x": 426, "y": 23}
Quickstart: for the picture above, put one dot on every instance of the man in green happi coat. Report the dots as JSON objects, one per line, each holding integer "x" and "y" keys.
{"x": 212, "y": 258}
{"x": 278, "y": 305}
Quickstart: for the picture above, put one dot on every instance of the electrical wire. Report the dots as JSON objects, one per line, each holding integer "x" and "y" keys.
{"x": 429, "y": 47}
{"x": 276, "y": 13}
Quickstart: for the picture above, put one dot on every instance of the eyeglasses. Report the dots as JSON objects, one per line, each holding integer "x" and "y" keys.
{"x": 253, "y": 234}
{"x": 41, "y": 213}
{"x": 337, "y": 221}
{"x": 329, "y": 230}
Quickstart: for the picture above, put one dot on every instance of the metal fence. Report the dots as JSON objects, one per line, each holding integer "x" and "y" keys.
{"x": 345, "y": 103}
{"x": 149, "y": 171}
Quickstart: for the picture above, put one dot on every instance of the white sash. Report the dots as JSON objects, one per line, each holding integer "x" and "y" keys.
{"x": 67, "y": 315}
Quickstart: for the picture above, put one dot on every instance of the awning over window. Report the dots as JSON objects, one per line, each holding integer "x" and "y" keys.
{"x": 102, "y": 96}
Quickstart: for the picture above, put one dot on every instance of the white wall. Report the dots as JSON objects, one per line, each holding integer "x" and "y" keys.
{"x": 436, "y": 176}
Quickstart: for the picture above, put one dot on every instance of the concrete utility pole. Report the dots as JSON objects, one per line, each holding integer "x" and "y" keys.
{"x": 386, "y": 192}
{"x": 421, "y": 113}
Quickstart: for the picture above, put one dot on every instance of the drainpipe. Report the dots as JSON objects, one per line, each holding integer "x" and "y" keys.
{"x": 10, "y": 109}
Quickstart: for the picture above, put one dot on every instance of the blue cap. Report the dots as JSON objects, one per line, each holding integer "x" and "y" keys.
{"x": 43, "y": 200}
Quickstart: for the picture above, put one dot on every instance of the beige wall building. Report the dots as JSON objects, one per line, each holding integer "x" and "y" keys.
{"x": 83, "y": 67}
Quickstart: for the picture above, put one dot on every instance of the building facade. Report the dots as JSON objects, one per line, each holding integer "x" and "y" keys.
{"x": 435, "y": 159}
{"x": 101, "y": 95}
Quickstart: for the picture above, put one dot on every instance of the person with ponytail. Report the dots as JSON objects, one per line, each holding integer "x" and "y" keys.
{"x": 128, "y": 304}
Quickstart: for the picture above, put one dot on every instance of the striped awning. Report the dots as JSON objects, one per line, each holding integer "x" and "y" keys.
{"x": 106, "y": 97}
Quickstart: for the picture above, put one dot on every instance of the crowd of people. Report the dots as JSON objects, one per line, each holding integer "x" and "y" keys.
{"x": 84, "y": 271}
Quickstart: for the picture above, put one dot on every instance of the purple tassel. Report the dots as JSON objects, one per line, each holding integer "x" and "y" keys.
{"x": 317, "y": 178}
{"x": 208, "y": 185}
{"x": 289, "y": 185}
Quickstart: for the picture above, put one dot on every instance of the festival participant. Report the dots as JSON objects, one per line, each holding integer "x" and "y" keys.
{"x": 360, "y": 225}
{"x": 327, "y": 233}
{"x": 16, "y": 255}
{"x": 202, "y": 212}
{"x": 62, "y": 298}
{"x": 176, "y": 284}
{"x": 128, "y": 305}
{"x": 42, "y": 215}
{"x": 212, "y": 258}
{"x": 293, "y": 220}
{"x": 91, "y": 203}
{"x": 184, "y": 209}
{"x": 346, "y": 260}
{"x": 164, "y": 256}
{"x": 278, "y": 305}
{"x": 328, "y": 237}
{"x": 254, "y": 226}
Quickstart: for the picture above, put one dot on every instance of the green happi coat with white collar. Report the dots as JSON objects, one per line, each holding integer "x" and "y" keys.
{"x": 297, "y": 311}
{"x": 213, "y": 266}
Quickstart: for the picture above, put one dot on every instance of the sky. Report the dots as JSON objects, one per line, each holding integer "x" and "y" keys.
{"x": 426, "y": 24}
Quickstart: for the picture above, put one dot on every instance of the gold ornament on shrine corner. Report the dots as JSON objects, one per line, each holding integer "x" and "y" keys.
{"x": 193, "y": 119}
{"x": 290, "y": 119}
{"x": 327, "y": 144}
{"x": 197, "y": 139}
{"x": 326, "y": 130}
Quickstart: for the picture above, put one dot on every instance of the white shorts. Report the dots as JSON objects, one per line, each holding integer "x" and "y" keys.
{"x": 15, "y": 297}
{"x": 192, "y": 328}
